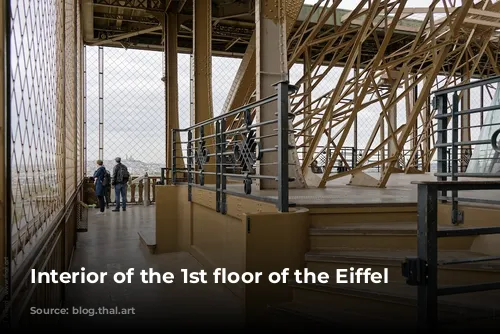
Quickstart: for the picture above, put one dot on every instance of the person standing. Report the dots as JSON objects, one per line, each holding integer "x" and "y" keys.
{"x": 99, "y": 175}
{"x": 119, "y": 181}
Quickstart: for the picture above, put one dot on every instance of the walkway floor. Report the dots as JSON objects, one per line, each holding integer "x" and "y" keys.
{"x": 112, "y": 244}
{"x": 399, "y": 190}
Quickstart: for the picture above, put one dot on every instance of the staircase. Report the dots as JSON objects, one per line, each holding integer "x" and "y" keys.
{"x": 377, "y": 238}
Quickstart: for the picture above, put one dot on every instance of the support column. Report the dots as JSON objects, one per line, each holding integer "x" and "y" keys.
{"x": 271, "y": 67}
{"x": 465, "y": 151}
{"x": 202, "y": 50}
{"x": 170, "y": 30}
{"x": 392, "y": 120}
{"x": 101, "y": 103}
{"x": 308, "y": 98}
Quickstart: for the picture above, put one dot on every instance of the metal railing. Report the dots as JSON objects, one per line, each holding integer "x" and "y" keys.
{"x": 422, "y": 270}
{"x": 350, "y": 157}
{"x": 140, "y": 190}
{"x": 449, "y": 164}
{"x": 237, "y": 154}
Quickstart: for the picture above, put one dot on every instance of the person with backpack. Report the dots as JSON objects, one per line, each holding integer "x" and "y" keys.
{"x": 119, "y": 181}
{"x": 100, "y": 180}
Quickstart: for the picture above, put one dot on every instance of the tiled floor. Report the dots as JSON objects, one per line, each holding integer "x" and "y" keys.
{"x": 112, "y": 244}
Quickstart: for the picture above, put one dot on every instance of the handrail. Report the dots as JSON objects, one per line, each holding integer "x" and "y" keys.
{"x": 468, "y": 85}
{"x": 422, "y": 270}
{"x": 455, "y": 166}
{"x": 238, "y": 152}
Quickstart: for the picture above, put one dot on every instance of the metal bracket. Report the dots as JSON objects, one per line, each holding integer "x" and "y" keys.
{"x": 414, "y": 270}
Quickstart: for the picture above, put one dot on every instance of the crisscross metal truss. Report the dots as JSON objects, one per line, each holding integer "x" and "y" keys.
{"x": 46, "y": 115}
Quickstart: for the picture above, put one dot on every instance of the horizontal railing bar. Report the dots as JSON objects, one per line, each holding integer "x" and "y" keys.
{"x": 468, "y": 111}
{"x": 242, "y": 176}
{"x": 479, "y": 175}
{"x": 454, "y": 290}
{"x": 469, "y": 159}
{"x": 470, "y": 200}
{"x": 238, "y": 176}
{"x": 258, "y": 198}
{"x": 466, "y": 127}
{"x": 468, "y": 231}
{"x": 460, "y": 185}
{"x": 464, "y": 261}
{"x": 240, "y": 130}
{"x": 469, "y": 85}
{"x": 463, "y": 143}
{"x": 231, "y": 113}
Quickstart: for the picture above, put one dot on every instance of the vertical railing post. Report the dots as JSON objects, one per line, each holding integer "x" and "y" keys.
{"x": 189, "y": 163}
{"x": 283, "y": 146}
{"x": 442, "y": 137}
{"x": 454, "y": 157}
{"x": 427, "y": 252}
{"x": 174, "y": 158}
{"x": 223, "y": 179}
{"x": 217, "y": 166}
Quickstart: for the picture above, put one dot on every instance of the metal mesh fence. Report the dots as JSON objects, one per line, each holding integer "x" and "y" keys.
{"x": 125, "y": 109}
{"x": 44, "y": 116}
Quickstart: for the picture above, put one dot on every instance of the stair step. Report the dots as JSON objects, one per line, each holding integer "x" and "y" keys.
{"x": 363, "y": 214}
{"x": 384, "y": 305}
{"x": 148, "y": 239}
{"x": 398, "y": 256}
{"x": 374, "y": 236}
{"x": 326, "y": 317}
{"x": 401, "y": 228}
{"x": 467, "y": 273}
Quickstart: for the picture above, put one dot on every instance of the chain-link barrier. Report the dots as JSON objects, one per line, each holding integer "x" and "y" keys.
{"x": 46, "y": 127}
{"x": 125, "y": 109}
{"x": 43, "y": 115}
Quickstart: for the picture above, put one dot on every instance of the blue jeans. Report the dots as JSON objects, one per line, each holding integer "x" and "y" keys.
{"x": 121, "y": 189}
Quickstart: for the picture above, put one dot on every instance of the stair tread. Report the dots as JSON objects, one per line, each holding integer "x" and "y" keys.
{"x": 334, "y": 317}
{"x": 322, "y": 314}
{"x": 387, "y": 228}
{"x": 380, "y": 256}
{"x": 391, "y": 254}
{"x": 480, "y": 301}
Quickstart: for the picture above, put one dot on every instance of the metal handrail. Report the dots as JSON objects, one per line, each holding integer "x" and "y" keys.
{"x": 449, "y": 166}
{"x": 246, "y": 153}
{"x": 422, "y": 270}
{"x": 468, "y": 85}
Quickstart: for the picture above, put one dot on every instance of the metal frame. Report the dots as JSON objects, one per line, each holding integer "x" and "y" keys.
{"x": 422, "y": 271}
{"x": 249, "y": 151}
{"x": 443, "y": 144}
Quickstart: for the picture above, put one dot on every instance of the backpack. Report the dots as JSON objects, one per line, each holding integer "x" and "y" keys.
{"x": 106, "y": 181}
{"x": 122, "y": 174}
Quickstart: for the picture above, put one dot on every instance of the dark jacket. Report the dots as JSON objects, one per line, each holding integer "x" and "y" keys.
{"x": 115, "y": 174}
{"x": 99, "y": 177}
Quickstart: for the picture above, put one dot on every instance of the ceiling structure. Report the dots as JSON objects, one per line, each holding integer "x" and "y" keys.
{"x": 135, "y": 24}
